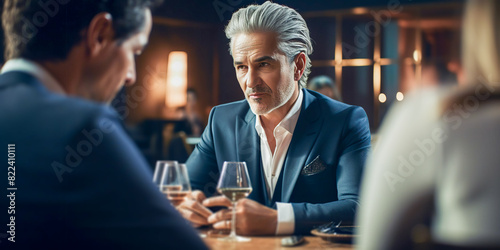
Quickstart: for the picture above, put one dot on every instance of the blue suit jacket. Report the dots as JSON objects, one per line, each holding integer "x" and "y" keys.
{"x": 333, "y": 136}
{"x": 81, "y": 183}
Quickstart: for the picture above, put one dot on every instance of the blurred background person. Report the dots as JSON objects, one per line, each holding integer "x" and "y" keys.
{"x": 432, "y": 180}
{"x": 191, "y": 124}
{"x": 326, "y": 86}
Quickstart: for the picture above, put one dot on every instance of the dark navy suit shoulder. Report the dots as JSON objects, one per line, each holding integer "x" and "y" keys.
{"x": 84, "y": 183}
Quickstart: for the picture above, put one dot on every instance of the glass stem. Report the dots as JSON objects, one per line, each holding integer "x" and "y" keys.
{"x": 233, "y": 222}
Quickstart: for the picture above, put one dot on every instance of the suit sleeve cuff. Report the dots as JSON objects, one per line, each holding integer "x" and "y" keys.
{"x": 286, "y": 218}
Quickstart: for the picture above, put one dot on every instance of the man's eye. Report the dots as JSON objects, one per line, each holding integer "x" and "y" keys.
{"x": 241, "y": 67}
{"x": 264, "y": 64}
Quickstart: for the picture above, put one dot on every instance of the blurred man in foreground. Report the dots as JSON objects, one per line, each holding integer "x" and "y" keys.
{"x": 79, "y": 182}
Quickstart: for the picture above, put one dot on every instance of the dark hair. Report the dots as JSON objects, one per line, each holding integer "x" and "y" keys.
{"x": 320, "y": 82}
{"x": 47, "y": 30}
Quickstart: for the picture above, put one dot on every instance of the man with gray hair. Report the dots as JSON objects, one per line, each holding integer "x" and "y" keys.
{"x": 305, "y": 152}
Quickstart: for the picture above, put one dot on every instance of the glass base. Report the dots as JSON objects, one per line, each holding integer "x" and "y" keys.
{"x": 235, "y": 239}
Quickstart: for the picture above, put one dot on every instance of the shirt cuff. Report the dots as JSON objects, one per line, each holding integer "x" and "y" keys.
{"x": 286, "y": 218}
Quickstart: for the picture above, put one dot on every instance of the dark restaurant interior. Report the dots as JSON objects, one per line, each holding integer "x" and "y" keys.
{"x": 374, "y": 51}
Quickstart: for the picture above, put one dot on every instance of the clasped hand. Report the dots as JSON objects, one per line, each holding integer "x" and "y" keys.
{"x": 252, "y": 218}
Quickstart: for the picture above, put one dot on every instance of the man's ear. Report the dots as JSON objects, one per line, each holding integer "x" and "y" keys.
{"x": 300, "y": 65}
{"x": 99, "y": 33}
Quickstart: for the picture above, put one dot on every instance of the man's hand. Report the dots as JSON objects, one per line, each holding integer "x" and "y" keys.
{"x": 252, "y": 218}
{"x": 193, "y": 211}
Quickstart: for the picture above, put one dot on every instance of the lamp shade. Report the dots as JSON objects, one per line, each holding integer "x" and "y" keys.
{"x": 176, "y": 79}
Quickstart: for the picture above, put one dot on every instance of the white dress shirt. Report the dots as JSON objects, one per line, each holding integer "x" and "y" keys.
{"x": 273, "y": 164}
{"x": 35, "y": 70}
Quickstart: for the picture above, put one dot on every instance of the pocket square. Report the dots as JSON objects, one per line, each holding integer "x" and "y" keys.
{"x": 316, "y": 166}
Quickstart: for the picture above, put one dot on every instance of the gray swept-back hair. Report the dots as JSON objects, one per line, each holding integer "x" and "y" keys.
{"x": 288, "y": 24}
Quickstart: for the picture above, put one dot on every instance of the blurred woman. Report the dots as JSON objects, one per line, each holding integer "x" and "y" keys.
{"x": 435, "y": 173}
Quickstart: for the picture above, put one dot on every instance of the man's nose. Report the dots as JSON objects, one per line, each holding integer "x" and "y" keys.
{"x": 131, "y": 77}
{"x": 253, "y": 78}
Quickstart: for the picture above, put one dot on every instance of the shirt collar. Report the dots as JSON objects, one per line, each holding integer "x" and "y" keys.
{"x": 290, "y": 119}
{"x": 36, "y": 70}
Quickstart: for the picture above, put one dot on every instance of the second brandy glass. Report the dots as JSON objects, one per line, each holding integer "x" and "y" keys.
{"x": 175, "y": 183}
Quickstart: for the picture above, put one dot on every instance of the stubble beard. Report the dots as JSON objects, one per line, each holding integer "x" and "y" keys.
{"x": 283, "y": 96}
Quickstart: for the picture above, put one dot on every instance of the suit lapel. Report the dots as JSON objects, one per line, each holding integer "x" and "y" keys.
{"x": 249, "y": 151}
{"x": 304, "y": 135}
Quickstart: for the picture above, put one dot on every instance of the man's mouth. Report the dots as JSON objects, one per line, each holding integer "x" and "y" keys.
{"x": 256, "y": 95}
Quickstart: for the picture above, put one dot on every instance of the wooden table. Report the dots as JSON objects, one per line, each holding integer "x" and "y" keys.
{"x": 272, "y": 242}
